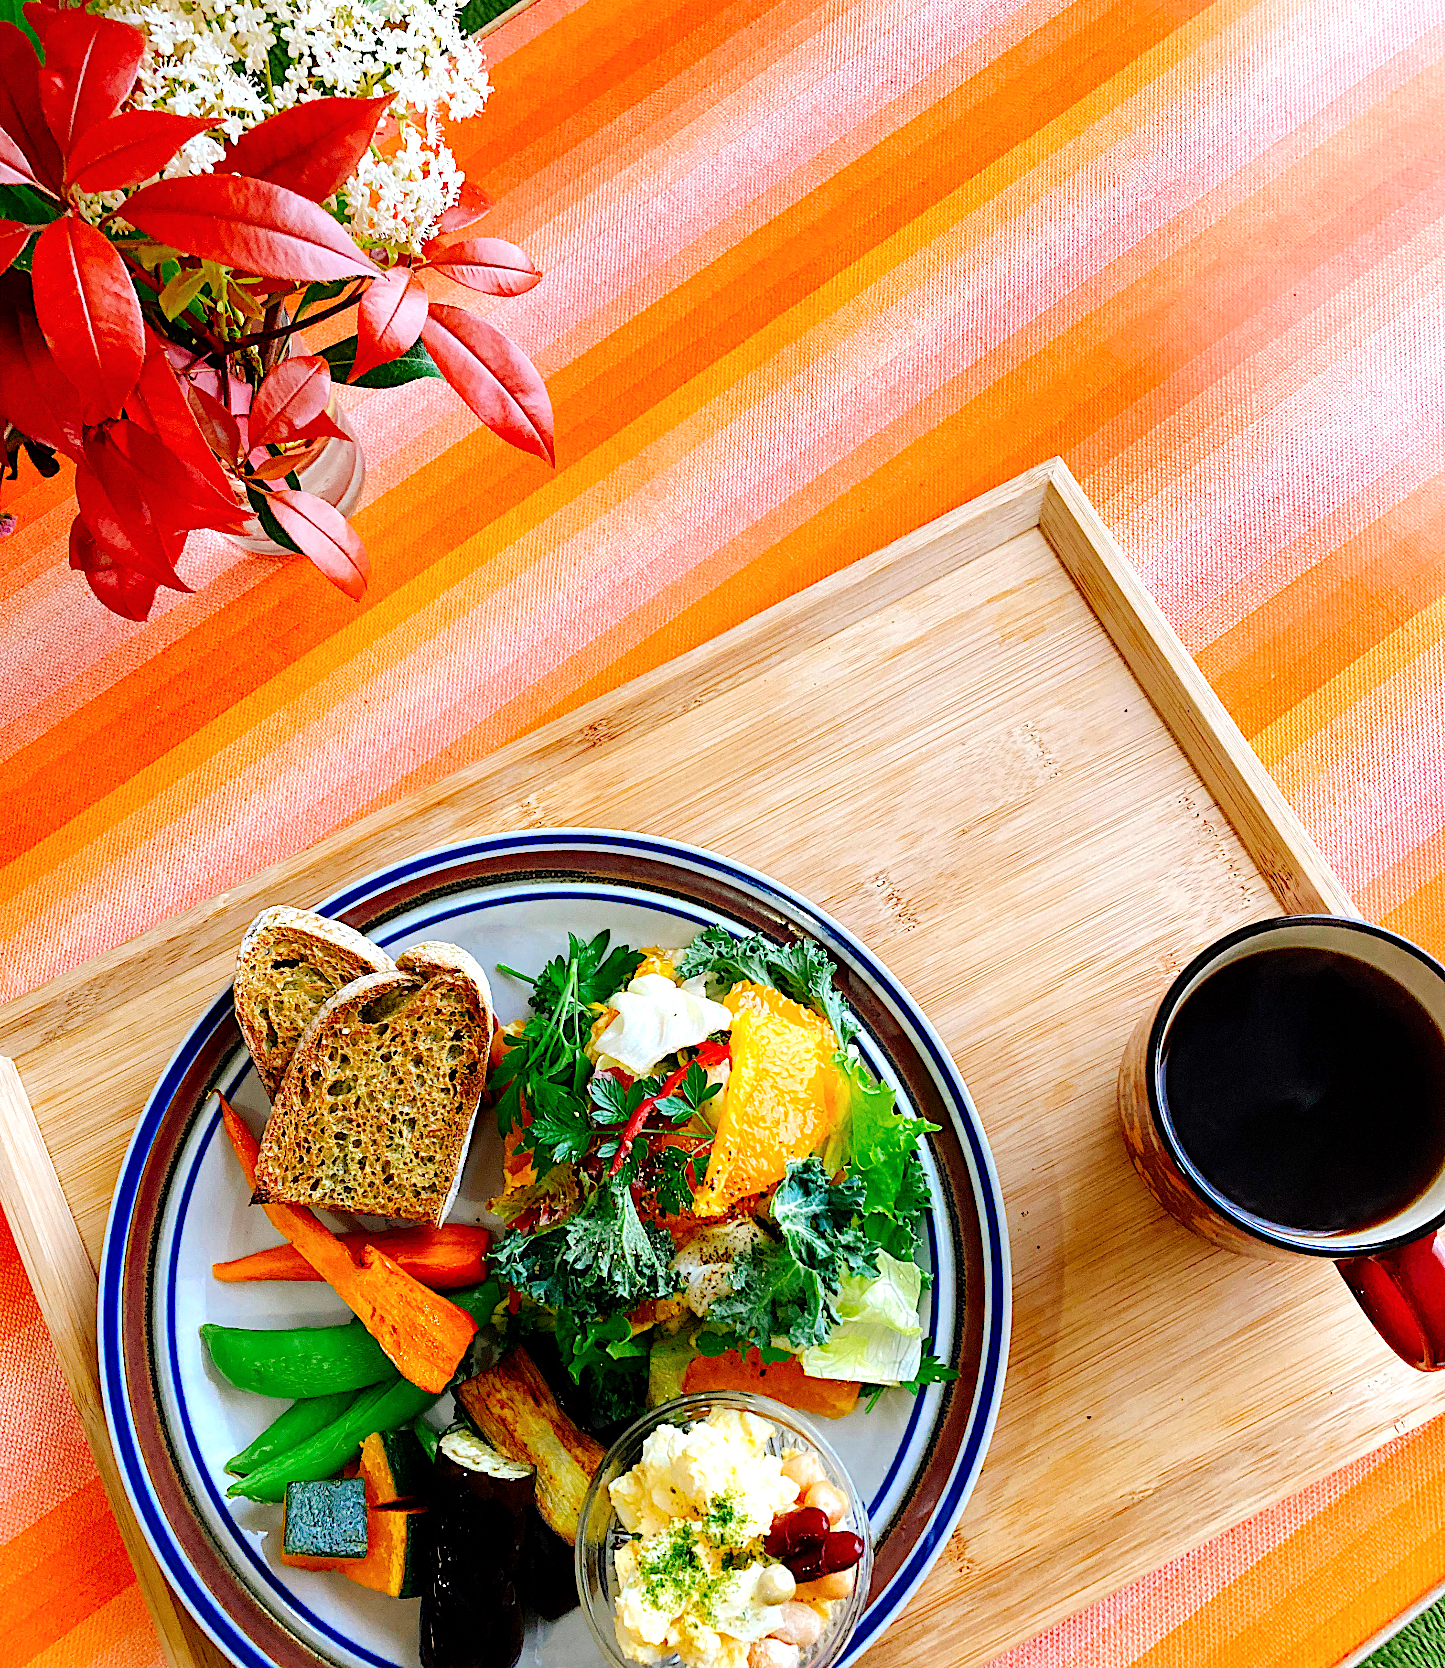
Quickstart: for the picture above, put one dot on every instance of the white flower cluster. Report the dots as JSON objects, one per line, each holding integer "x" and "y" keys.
{"x": 240, "y": 60}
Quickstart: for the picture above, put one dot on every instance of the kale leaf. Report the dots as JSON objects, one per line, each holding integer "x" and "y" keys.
{"x": 789, "y": 1289}
{"x": 803, "y": 971}
{"x": 603, "y": 1259}
{"x": 819, "y": 1220}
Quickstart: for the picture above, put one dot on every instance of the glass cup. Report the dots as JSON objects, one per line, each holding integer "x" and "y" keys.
{"x": 1395, "y": 1267}
{"x": 601, "y": 1534}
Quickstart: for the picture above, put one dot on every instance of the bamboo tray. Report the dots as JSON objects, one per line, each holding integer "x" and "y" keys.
{"x": 951, "y": 746}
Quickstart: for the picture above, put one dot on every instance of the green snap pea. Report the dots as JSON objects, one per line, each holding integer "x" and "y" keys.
{"x": 381, "y": 1408}
{"x": 301, "y": 1420}
{"x": 429, "y": 1438}
{"x": 297, "y": 1362}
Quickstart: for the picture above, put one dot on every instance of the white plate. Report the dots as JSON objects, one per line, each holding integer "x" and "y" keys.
{"x": 180, "y": 1205}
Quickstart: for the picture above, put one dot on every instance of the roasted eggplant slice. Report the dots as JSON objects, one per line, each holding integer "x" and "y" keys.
{"x": 548, "y": 1577}
{"x": 471, "y": 1611}
{"x": 515, "y": 1410}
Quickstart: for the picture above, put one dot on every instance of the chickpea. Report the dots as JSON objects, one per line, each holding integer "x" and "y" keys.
{"x": 800, "y": 1625}
{"x": 773, "y": 1653}
{"x": 804, "y": 1469}
{"x": 775, "y": 1584}
{"x": 835, "y": 1586}
{"x": 829, "y": 1499}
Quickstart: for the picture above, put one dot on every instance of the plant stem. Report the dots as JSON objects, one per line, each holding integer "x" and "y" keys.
{"x": 262, "y": 336}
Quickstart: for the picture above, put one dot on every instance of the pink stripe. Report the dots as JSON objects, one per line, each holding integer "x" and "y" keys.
{"x": 1370, "y": 780}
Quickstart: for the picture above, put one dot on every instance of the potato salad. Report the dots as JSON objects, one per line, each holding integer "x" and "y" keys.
{"x": 712, "y": 1514}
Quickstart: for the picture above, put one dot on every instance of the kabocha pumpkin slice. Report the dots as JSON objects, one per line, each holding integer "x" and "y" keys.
{"x": 396, "y": 1553}
{"x": 394, "y": 1468}
{"x": 784, "y": 1381}
{"x": 782, "y": 1097}
{"x": 376, "y": 1109}
{"x": 324, "y": 1524}
{"x": 515, "y": 1410}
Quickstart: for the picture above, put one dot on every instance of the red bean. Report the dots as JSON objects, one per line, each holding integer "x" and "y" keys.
{"x": 808, "y": 1564}
{"x": 797, "y": 1532}
{"x": 841, "y": 1550}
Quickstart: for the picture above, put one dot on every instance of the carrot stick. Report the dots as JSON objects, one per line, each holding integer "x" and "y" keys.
{"x": 423, "y": 1335}
{"x": 442, "y": 1258}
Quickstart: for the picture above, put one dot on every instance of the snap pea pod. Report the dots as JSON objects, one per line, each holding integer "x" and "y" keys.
{"x": 298, "y": 1362}
{"x": 301, "y": 1420}
{"x": 429, "y": 1438}
{"x": 381, "y": 1408}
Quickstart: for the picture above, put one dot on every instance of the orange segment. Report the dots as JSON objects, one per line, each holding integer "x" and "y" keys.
{"x": 784, "y": 1381}
{"x": 781, "y": 1100}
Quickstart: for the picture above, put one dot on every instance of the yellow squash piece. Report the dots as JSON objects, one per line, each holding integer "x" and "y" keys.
{"x": 783, "y": 1096}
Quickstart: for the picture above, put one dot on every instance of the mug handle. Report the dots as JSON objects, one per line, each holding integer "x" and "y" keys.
{"x": 1403, "y": 1293}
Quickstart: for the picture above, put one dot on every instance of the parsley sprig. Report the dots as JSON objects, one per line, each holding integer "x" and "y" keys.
{"x": 546, "y": 1068}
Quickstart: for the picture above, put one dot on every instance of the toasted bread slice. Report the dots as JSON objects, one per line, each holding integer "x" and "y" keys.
{"x": 375, "y": 1112}
{"x": 290, "y": 962}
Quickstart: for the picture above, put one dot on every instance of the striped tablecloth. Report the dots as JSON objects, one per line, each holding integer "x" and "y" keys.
{"x": 817, "y": 271}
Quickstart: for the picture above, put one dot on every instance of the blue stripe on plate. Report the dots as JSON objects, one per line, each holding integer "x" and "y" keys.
{"x": 982, "y": 1415}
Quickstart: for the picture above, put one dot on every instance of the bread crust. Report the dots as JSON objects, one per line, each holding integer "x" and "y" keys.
{"x": 375, "y": 1112}
{"x": 273, "y": 1004}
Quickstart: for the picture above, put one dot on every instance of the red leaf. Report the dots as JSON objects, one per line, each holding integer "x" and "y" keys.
{"x": 221, "y": 430}
{"x": 34, "y": 395}
{"x": 20, "y": 112}
{"x": 87, "y": 307}
{"x": 389, "y": 319}
{"x": 490, "y": 264}
{"x": 90, "y": 66}
{"x": 40, "y": 17}
{"x": 115, "y": 507}
{"x": 14, "y": 169}
{"x": 121, "y": 589}
{"x": 248, "y": 224}
{"x": 13, "y": 238}
{"x": 130, "y": 148}
{"x": 494, "y": 377}
{"x": 325, "y": 535}
{"x": 178, "y": 500}
{"x": 311, "y": 148}
{"x": 469, "y": 208}
{"x": 321, "y": 428}
{"x": 159, "y": 404}
{"x": 289, "y": 398}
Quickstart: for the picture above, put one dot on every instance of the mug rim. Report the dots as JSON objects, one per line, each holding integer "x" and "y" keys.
{"x": 1235, "y": 1215}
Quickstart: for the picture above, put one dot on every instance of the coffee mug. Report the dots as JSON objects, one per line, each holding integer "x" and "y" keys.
{"x": 1394, "y": 1265}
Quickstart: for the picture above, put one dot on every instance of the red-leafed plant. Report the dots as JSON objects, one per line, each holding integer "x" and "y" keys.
{"x": 151, "y": 343}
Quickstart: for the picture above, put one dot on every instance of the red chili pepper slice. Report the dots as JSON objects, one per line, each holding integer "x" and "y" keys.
{"x": 710, "y": 1054}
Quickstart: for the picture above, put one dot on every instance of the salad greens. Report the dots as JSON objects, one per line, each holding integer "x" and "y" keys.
{"x": 803, "y": 971}
{"x": 830, "y": 1270}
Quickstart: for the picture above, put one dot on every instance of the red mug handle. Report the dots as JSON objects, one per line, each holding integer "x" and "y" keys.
{"x": 1403, "y": 1293}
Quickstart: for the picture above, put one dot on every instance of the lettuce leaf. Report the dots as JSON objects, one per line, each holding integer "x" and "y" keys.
{"x": 882, "y": 1151}
{"x": 878, "y": 1338}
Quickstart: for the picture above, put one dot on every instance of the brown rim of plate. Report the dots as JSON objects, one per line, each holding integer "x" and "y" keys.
{"x": 959, "y": 1218}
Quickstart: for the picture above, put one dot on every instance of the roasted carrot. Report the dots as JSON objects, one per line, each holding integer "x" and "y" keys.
{"x": 442, "y": 1258}
{"x": 423, "y": 1334}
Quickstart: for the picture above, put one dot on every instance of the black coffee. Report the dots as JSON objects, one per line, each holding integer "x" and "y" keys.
{"x": 1309, "y": 1088}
